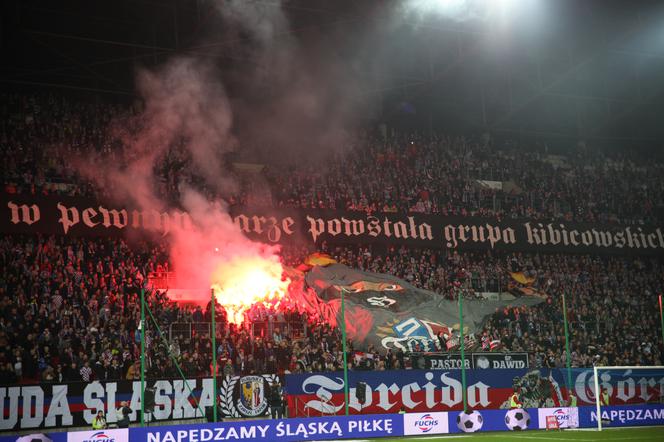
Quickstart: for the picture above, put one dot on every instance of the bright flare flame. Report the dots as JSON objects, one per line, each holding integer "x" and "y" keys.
{"x": 244, "y": 281}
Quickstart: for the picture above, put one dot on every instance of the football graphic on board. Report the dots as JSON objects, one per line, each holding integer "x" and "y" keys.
{"x": 469, "y": 421}
{"x": 517, "y": 419}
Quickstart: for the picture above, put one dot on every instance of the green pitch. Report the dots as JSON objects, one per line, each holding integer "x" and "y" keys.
{"x": 628, "y": 434}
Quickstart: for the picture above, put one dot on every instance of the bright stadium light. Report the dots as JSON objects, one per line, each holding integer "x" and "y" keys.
{"x": 460, "y": 10}
{"x": 468, "y": 10}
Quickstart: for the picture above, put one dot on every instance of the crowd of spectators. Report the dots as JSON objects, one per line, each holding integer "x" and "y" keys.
{"x": 42, "y": 136}
{"x": 475, "y": 176}
{"x": 70, "y": 312}
{"x": 69, "y": 305}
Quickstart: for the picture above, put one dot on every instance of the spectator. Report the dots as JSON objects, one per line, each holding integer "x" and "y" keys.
{"x": 276, "y": 401}
{"x": 122, "y": 415}
{"x": 86, "y": 372}
{"x": 99, "y": 421}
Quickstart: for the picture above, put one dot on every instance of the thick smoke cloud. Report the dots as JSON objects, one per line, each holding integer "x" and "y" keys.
{"x": 185, "y": 101}
{"x": 287, "y": 101}
{"x": 303, "y": 92}
{"x": 184, "y": 109}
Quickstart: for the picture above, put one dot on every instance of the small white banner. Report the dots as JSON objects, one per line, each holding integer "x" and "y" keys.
{"x": 567, "y": 417}
{"x": 116, "y": 435}
{"x": 425, "y": 423}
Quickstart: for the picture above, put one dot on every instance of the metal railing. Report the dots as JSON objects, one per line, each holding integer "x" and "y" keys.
{"x": 162, "y": 280}
{"x": 553, "y": 327}
{"x": 187, "y": 330}
{"x": 292, "y": 329}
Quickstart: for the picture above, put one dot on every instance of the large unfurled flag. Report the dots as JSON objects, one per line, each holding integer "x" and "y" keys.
{"x": 388, "y": 312}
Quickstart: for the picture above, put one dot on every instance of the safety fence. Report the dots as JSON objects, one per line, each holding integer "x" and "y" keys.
{"x": 264, "y": 329}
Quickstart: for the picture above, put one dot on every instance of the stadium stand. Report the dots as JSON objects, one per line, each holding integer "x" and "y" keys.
{"x": 69, "y": 305}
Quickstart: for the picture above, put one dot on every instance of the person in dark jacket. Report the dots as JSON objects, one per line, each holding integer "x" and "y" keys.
{"x": 209, "y": 412}
{"x": 122, "y": 415}
{"x": 276, "y": 401}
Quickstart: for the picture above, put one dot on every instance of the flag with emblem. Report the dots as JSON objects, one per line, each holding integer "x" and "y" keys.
{"x": 389, "y": 312}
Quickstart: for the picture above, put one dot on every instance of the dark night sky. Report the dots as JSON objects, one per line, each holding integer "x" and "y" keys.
{"x": 579, "y": 70}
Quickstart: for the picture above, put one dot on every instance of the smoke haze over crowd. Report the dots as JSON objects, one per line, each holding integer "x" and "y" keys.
{"x": 186, "y": 109}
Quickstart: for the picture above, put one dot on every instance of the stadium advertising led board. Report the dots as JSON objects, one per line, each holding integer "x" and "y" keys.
{"x": 107, "y": 435}
{"x": 87, "y": 217}
{"x": 285, "y": 430}
{"x": 623, "y": 416}
{"x": 472, "y": 421}
{"x": 425, "y": 423}
{"x": 565, "y": 416}
{"x": 367, "y": 426}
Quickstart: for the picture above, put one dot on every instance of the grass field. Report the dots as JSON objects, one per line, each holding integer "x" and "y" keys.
{"x": 630, "y": 434}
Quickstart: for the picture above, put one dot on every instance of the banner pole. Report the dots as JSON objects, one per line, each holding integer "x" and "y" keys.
{"x": 661, "y": 316}
{"x": 463, "y": 348}
{"x": 142, "y": 357}
{"x": 343, "y": 345}
{"x": 213, "y": 334}
{"x": 160, "y": 334}
{"x": 567, "y": 352}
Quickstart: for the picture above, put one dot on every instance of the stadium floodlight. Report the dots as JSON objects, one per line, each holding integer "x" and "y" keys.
{"x": 461, "y": 10}
{"x": 626, "y": 386}
{"x": 503, "y": 13}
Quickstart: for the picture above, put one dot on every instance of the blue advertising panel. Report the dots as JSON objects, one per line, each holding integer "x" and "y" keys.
{"x": 473, "y": 421}
{"x": 328, "y": 428}
{"x": 366, "y": 426}
{"x": 623, "y": 416}
{"x": 37, "y": 437}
